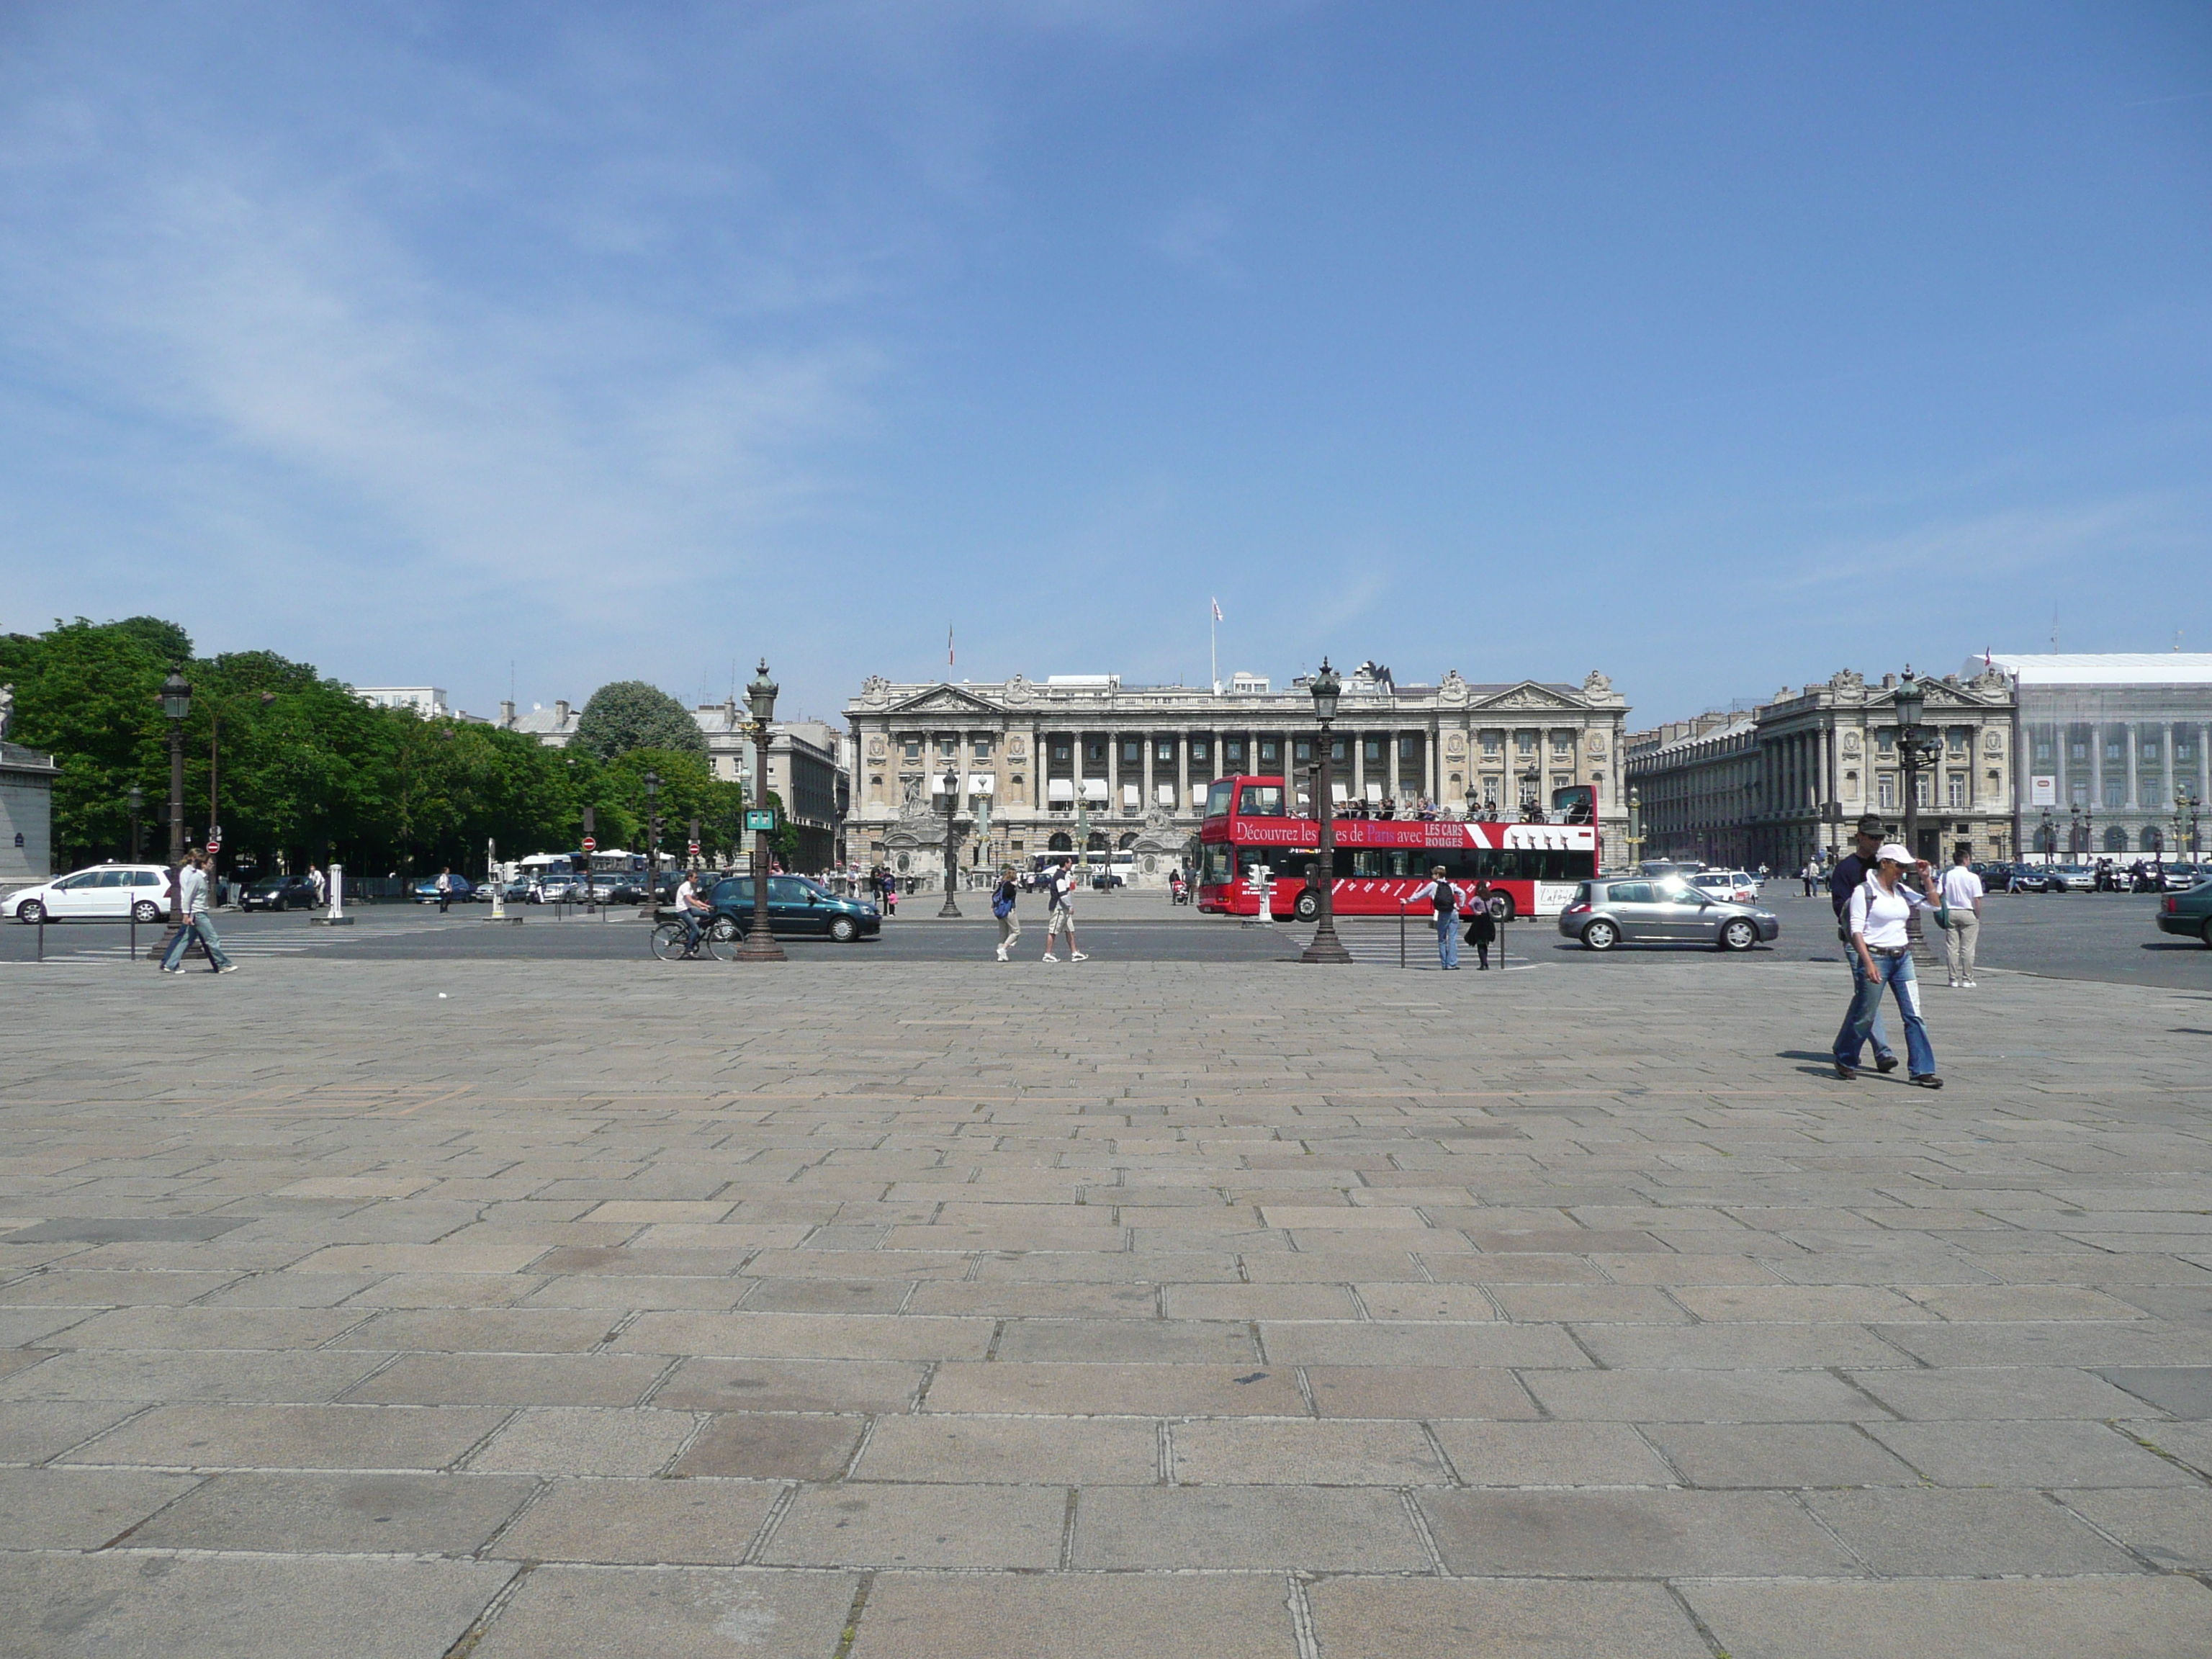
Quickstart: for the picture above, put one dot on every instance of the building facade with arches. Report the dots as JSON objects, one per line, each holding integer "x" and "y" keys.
{"x": 1077, "y": 762}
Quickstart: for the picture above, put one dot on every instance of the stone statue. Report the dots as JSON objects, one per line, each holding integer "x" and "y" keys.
{"x": 1596, "y": 684}
{"x": 7, "y": 708}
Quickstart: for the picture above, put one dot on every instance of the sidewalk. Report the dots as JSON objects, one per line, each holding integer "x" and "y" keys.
{"x": 1242, "y": 1309}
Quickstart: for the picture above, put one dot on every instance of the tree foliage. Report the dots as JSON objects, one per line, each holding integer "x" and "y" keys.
{"x": 627, "y": 715}
{"x": 303, "y": 769}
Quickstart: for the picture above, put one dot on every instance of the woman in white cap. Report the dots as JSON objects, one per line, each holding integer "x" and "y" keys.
{"x": 1876, "y": 920}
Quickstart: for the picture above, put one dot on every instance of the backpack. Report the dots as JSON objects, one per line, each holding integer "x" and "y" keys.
{"x": 1002, "y": 904}
{"x": 1445, "y": 898}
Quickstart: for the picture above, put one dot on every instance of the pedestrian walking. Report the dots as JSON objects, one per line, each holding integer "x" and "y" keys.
{"x": 193, "y": 896}
{"x": 1002, "y": 907}
{"x": 316, "y": 880}
{"x": 1961, "y": 891}
{"x": 1811, "y": 874}
{"x": 1847, "y": 878}
{"x": 890, "y": 894}
{"x": 1875, "y": 918}
{"x": 1482, "y": 927}
{"x": 1061, "y": 917}
{"x": 1446, "y": 901}
{"x": 444, "y": 890}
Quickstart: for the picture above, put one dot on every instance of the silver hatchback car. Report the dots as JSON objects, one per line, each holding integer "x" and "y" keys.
{"x": 1633, "y": 910}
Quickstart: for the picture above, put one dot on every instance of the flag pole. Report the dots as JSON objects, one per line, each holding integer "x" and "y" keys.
{"x": 1213, "y": 649}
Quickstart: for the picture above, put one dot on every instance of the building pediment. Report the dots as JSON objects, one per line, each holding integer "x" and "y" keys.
{"x": 946, "y": 699}
{"x": 1527, "y": 697}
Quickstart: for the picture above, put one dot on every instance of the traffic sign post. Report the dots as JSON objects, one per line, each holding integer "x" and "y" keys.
{"x": 759, "y": 818}
{"x": 590, "y": 845}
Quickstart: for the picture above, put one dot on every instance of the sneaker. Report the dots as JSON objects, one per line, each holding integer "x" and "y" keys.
{"x": 1002, "y": 953}
{"x": 1048, "y": 957}
{"x": 231, "y": 969}
{"x": 1968, "y": 984}
{"x": 1885, "y": 1064}
{"x": 1954, "y": 984}
{"x": 1927, "y": 1080}
{"x": 1846, "y": 1073}
{"x": 1080, "y": 956}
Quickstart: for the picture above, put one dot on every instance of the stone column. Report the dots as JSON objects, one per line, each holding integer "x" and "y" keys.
{"x": 2134, "y": 795}
{"x": 1151, "y": 738}
{"x": 1113, "y": 780}
{"x": 1182, "y": 774}
{"x": 1358, "y": 759}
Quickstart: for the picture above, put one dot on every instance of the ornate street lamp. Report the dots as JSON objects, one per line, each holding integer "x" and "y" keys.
{"x": 2074, "y": 831}
{"x": 1913, "y": 750}
{"x": 176, "y": 700}
{"x": 137, "y": 798}
{"x": 1326, "y": 946}
{"x": 758, "y": 944}
{"x": 652, "y": 838}
{"x": 951, "y": 840}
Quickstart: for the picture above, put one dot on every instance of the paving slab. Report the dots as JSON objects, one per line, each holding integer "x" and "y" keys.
{"x": 691, "y": 1613}
{"x": 1302, "y": 1527}
{"x": 80, "y": 1509}
{"x": 338, "y": 1514}
{"x": 1778, "y": 1455}
{"x": 1022, "y": 1450}
{"x": 130, "y": 1606}
{"x": 1500, "y": 1619}
{"x": 922, "y": 1525}
{"x": 1913, "y": 1533}
{"x": 1645, "y": 1535}
{"x": 1078, "y": 1616}
{"x": 2169, "y": 1528}
{"x": 219, "y": 1437}
{"x": 2028, "y": 1453}
{"x": 642, "y": 1523}
{"x": 2121, "y": 1618}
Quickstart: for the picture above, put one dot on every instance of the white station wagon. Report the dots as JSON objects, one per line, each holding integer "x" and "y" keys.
{"x": 109, "y": 892}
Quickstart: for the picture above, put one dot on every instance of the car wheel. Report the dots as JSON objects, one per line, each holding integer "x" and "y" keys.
{"x": 844, "y": 929}
{"x": 1601, "y": 935}
{"x": 32, "y": 911}
{"x": 146, "y": 912}
{"x": 1739, "y": 935}
{"x": 1307, "y": 906}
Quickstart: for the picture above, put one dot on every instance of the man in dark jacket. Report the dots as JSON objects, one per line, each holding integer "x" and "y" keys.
{"x": 1849, "y": 875}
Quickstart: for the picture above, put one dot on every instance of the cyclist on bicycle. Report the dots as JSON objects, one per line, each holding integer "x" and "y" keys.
{"x": 689, "y": 910}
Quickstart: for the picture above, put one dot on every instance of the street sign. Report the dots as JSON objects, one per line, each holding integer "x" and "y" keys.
{"x": 214, "y": 836}
{"x": 694, "y": 849}
{"x": 759, "y": 818}
{"x": 590, "y": 846}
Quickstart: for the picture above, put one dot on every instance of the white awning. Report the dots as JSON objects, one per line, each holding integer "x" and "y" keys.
{"x": 982, "y": 783}
{"x": 1338, "y": 793}
{"x": 1094, "y": 789}
{"x": 1164, "y": 793}
{"x": 1375, "y": 792}
{"x": 1059, "y": 789}
{"x": 1132, "y": 794}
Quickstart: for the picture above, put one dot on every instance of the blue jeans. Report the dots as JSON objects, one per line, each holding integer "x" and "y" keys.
{"x": 1858, "y": 986}
{"x": 1896, "y": 972}
{"x": 198, "y": 927}
{"x": 1448, "y": 939}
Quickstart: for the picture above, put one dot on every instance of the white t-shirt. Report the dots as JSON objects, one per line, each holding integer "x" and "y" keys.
{"x": 683, "y": 894}
{"x": 1881, "y": 916}
{"x": 1960, "y": 887}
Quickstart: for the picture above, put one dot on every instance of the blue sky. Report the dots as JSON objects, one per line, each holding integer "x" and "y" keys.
{"x": 1716, "y": 346}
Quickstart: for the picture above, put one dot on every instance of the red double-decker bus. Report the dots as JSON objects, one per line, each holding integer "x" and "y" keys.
{"x": 1533, "y": 869}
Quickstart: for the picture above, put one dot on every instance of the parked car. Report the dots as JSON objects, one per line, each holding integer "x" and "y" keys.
{"x": 1604, "y": 914}
{"x": 279, "y": 893}
{"x": 2068, "y": 879}
{"x": 798, "y": 908}
{"x": 2189, "y": 913}
{"x": 425, "y": 892}
{"x": 2180, "y": 877}
{"x": 113, "y": 892}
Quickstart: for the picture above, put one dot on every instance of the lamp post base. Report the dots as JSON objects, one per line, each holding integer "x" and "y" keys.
{"x": 758, "y": 947}
{"x": 1326, "y": 946}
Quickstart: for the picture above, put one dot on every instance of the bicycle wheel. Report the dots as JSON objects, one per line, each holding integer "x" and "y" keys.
{"x": 668, "y": 940}
{"x": 722, "y": 938}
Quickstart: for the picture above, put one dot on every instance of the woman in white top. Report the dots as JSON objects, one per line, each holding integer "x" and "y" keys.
{"x": 1875, "y": 922}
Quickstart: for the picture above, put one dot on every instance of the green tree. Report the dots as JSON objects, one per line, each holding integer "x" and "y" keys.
{"x": 630, "y": 714}
{"x": 85, "y": 692}
{"x": 689, "y": 790}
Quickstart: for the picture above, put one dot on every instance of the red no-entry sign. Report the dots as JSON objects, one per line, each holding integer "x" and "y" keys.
{"x": 591, "y": 846}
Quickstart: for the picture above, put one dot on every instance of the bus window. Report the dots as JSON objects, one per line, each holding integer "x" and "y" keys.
{"x": 1261, "y": 801}
{"x": 1219, "y": 865}
{"x": 1218, "y": 798}
{"x": 1367, "y": 861}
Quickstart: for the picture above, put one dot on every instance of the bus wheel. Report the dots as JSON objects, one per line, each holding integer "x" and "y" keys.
{"x": 1501, "y": 907}
{"x": 1308, "y": 908}
{"x": 1601, "y": 935}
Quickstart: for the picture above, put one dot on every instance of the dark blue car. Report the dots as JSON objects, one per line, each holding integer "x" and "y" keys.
{"x": 797, "y": 908}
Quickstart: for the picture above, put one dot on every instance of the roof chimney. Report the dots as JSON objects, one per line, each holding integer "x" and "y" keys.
{"x": 506, "y": 714}
{"x": 560, "y": 711}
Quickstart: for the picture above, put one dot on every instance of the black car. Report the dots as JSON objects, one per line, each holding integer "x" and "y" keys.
{"x": 279, "y": 893}
{"x": 798, "y": 908}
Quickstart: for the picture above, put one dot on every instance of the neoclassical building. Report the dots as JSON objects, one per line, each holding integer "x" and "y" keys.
{"x": 1039, "y": 764}
{"x": 1789, "y": 779}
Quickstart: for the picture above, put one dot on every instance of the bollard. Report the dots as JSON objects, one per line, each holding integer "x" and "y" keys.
{"x": 1401, "y": 932}
{"x": 134, "y": 932}
{"x": 42, "y": 932}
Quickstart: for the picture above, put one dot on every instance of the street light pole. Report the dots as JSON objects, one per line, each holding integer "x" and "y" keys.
{"x": 949, "y": 908}
{"x": 176, "y": 700}
{"x": 1326, "y": 946}
{"x": 652, "y": 838}
{"x": 1912, "y": 749}
{"x": 137, "y": 798}
{"x": 758, "y": 944}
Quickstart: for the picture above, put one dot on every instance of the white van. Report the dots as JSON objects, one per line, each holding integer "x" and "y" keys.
{"x": 107, "y": 892}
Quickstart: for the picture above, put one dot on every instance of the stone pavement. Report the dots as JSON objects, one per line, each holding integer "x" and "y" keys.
{"x": 1118, "y": 1311}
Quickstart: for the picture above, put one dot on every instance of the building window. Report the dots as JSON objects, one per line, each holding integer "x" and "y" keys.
{"x": 1198, "y": 751}
{"x": 1884, "y": 742}
{"x": 1163, "y": 751}
{"x": 1490, "y": 741}
{"x": 2043, "y": 750}
{"x": 1339, "y": 751}
{"x": 912, "y": 747}
{"x": 1232, "y": 752}
{"x": 1271, "y": 754}
{"x": 1954, "y": 790}
{"x": 948, "y": 748}
{"x": 2115, "y": 792}
{"x": 983, "y": 748}
{"x": 2080, "y": 752}
{"x": 1563, "y": 743}
{"x": 1409, "y": 749}
{"x": 1132, "y": 752}
{"x": 2115, "y": 751}
{"x": 1885, "y": 792}
{"x": 1063, "y": 753}
{"x": 1094, "y": 754}
{"x": 1302, "y": 750}
{"x": 1525, "y": 742}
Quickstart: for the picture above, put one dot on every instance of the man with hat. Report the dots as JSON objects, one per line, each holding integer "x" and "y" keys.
{"x": 1847, "y": 878}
